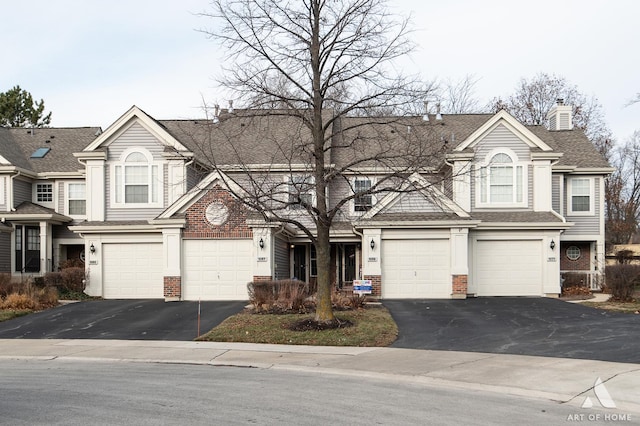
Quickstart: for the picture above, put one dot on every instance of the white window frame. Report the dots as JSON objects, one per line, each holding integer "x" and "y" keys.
{"x": 2, "y": 191}
{"x": 289, "y": 181}
{"x": 483, "y": 181}
{"x": 353, "y": 181}
{"x": 154, "y": 174}
{"x": 68, "y": 198}
{"x": 570, "y": 196}
{"x": 37, "y": 193}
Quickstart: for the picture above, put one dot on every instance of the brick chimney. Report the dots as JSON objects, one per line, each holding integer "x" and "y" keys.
{"x": 559, "y": 117}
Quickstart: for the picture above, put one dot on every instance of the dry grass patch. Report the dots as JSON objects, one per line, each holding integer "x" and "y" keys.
{"x": 372, "y": 326}
{"x": 625, "y": 307}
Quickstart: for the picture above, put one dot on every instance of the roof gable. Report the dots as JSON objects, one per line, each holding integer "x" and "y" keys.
{"x": 128, "y": 119}
{"x": 502, "y": 117}
{"x": 426, "y": 199}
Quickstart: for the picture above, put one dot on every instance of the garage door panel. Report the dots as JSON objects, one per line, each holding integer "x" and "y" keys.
{"x": 509, "y": 268}
{"x": 132, "y": 271}
{"x": 416, "y": 269}
{"x": 216, "y": 269}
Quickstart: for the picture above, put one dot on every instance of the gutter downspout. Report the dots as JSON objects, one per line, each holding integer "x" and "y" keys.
{"x": 11, "y": 206}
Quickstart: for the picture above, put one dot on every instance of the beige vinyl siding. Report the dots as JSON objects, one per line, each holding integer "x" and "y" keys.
{"x": 413, "y": 202}
{"x": 501, "y": 137}
{"x": 22, "y": 191}
{"x": 61, "y": 198}
{"x": 585, "y": 225}
{"x": 281, "y": 259}
{"x": 556, "y": 182}
{"x": 4, "y": 190}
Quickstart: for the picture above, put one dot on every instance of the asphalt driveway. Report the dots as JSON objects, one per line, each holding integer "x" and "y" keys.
{"x": 523, "y": 326}
{"x": 121, "y": 320}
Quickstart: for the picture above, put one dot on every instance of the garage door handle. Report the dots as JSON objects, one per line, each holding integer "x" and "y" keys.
{"x": 415, "y": 273}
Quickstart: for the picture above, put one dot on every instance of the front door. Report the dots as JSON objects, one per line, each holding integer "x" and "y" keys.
{"x": 27, "y": 248}
{"x": 300, "y": 262}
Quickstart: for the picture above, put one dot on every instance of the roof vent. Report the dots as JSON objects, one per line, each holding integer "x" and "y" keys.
{"x": 559, "y": 117}
{"x": 425, "y": 117}
{"x": 438, "y": 115}
{"x": 230, "y": 106}
{"x": 216, "y": 114}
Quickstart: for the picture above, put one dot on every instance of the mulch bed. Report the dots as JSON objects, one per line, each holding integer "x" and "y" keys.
{"x": 309, "y": 324}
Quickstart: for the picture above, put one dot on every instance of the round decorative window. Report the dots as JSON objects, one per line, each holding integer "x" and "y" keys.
{"x": 573, "y": 253}
{"x": 216, "y": 213}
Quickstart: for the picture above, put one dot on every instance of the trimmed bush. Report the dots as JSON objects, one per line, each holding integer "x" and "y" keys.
{"x": 621, "y": 281}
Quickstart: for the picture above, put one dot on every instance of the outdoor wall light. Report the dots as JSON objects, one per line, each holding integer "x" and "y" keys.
{"x": 261, "y": 243}
{"x": 92, "y": 248}
{"x": 552, "y": 245}
{"x": 372, "y": 244}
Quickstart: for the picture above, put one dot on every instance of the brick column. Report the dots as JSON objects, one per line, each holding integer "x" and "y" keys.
{"x": 172, "y": 288}
{"x": 376, "y": 284}
{"x": 459, "y": 286}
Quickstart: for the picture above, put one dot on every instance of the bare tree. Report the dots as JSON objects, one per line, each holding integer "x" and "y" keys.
{"x": 458, "y": 97}
{"x": 325, "y": 65}
{"x": 533, "y": 98}
{"x": 623, "y": 192}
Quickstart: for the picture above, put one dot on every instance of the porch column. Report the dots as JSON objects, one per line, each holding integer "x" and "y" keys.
{"x": 459, "y": 262}
{"x": 172, "y": 254}
{"x": 45, "y": 248}
{"x": 263, "y": 254}
{"x": 372, "y": 259}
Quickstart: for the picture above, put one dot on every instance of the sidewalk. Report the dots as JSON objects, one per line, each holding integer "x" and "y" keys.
{"x": 559, "y": 379}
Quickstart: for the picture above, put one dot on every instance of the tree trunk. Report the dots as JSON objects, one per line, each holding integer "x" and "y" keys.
{"x": 324, "y": 310}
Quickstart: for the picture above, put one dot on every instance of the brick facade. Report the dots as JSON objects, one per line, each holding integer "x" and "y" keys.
{"x": 459, "y": 286}
{"x": 376, "y": 284}
{"x": 258, "y": 278}
{"x": 172, "y": 287}
{"x": 583, "y": 263}
{"x": 234, "y": 227}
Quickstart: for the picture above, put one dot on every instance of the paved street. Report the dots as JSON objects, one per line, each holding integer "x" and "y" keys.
{"x": 517, "y": 325}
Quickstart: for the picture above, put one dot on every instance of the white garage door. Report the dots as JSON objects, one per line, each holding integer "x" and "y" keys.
{"x": 508, "y": 268}
{"x": 216, "y": 269}
{"x": 414, "y": 269}
{"x": 132, "y": 271}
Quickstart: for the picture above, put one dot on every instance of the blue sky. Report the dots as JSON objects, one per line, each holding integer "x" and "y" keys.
{"x": 91, "y": 60}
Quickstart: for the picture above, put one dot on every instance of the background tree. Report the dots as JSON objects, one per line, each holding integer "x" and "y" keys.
{"x": 17, "y": 109}
{"x": 458, "y": 97}
{"x": 533, "y": 99}
{"x": 306, "y": 57}
{"x": 622, "y": 192}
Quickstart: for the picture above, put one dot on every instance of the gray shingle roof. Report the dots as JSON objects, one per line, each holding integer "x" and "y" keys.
{"x": 520, "y": 217}
{"x": 18, "y": 144}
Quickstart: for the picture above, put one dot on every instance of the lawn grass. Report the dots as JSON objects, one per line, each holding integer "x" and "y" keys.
{"x": 373, "y": 326}
{"x": 7, "y": 314}
{"x": 626, "y": 307}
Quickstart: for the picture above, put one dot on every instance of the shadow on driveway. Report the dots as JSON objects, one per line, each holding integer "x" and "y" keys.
{"x": 121, "y": 320}
{"x": 522, "y": 326}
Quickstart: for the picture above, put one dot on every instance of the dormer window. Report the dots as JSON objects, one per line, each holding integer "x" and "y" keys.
{"x": 502, "y": 182}
{"x": 137, "y": 180}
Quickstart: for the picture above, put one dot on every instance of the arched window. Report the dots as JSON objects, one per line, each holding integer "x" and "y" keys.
{"x": 136, "y": 179}
{"x": 502, "y": 181}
